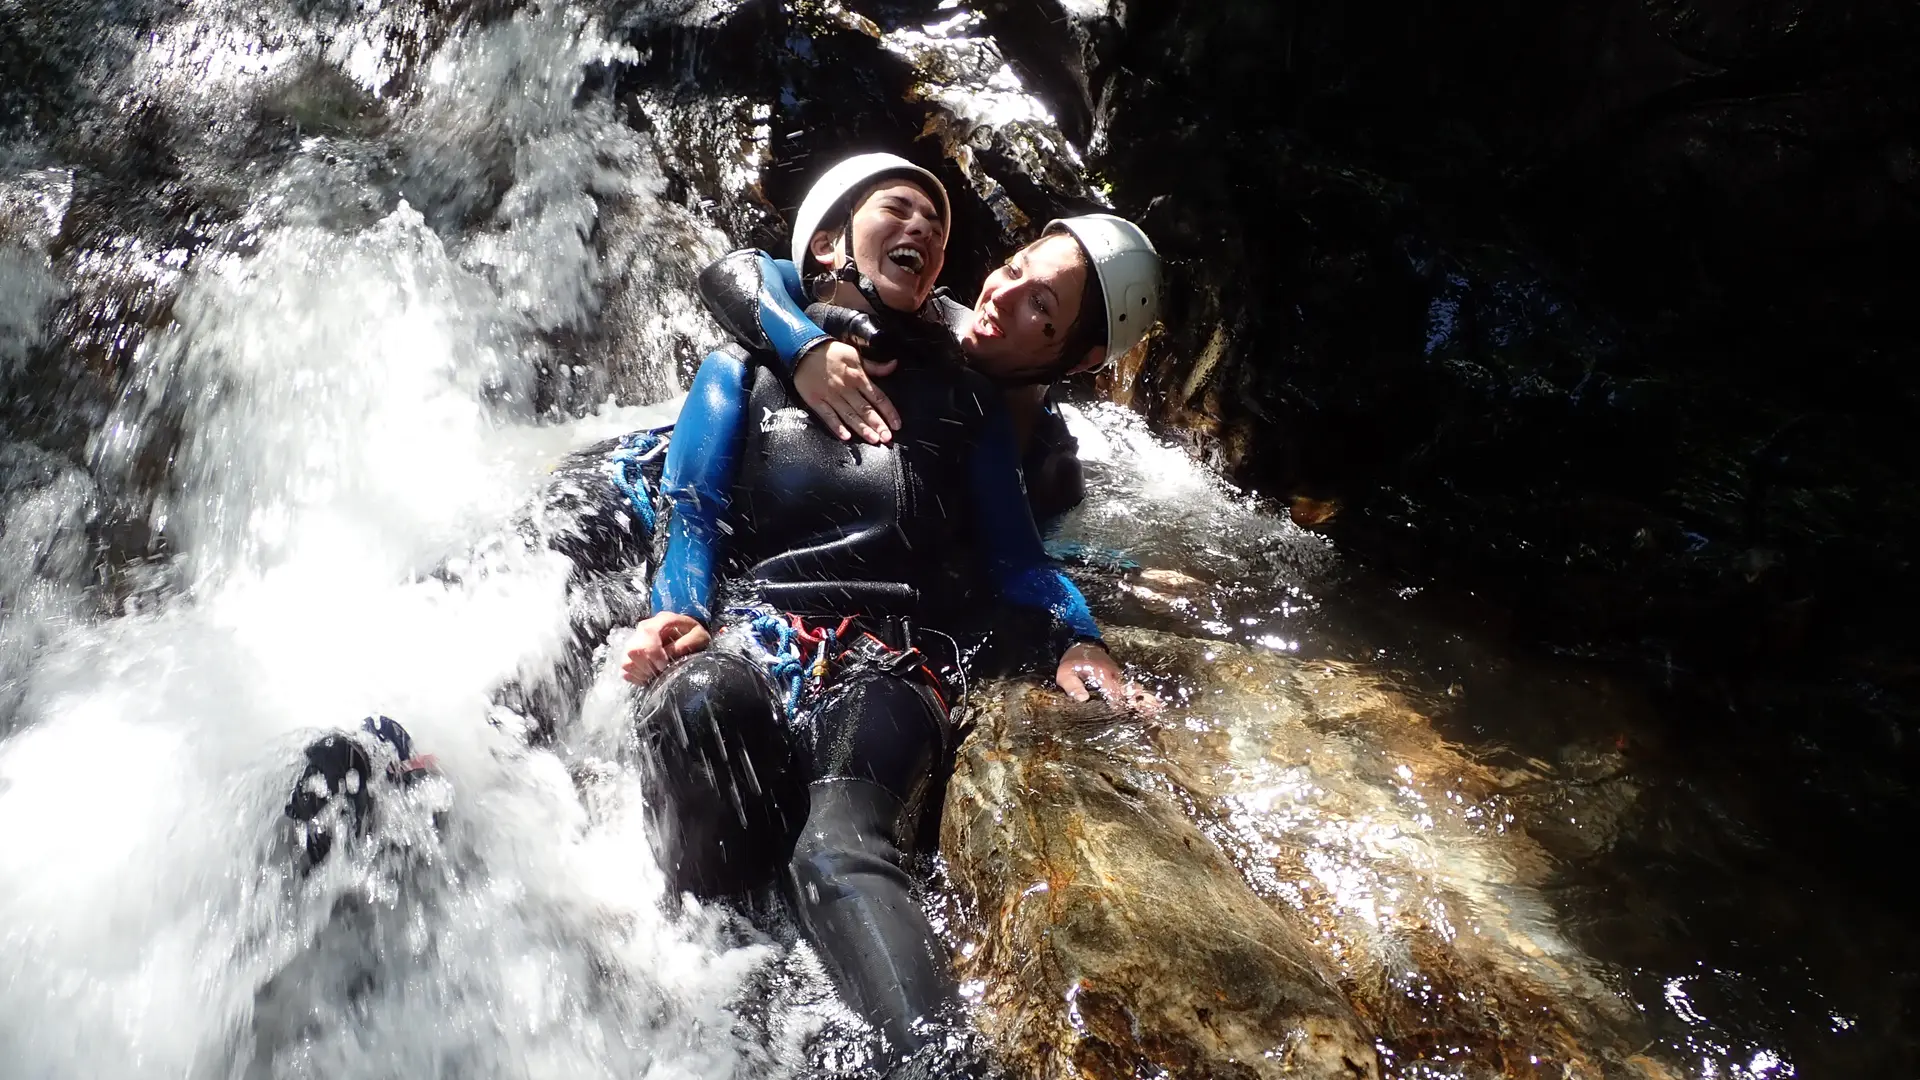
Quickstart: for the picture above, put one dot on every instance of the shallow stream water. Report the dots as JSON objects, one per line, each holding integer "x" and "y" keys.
{"x": 255, "y": 396}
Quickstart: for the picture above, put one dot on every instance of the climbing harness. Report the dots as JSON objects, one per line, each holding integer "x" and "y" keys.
{"x": 781, "y": 643}
{"x": 803, "y": 661}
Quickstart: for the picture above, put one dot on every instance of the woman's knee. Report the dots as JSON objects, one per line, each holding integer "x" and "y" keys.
{"x": 726, "y": 795}
{"x": 852, "y": 819}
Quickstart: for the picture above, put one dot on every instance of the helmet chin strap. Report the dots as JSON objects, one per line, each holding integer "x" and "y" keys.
{"x": 822, "y": 284}
{"x": 867, "y": 289}
{"x": 821, "y": 287}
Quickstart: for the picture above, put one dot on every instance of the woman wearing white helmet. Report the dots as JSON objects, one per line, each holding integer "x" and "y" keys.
{"x": 904, "y": 262}
{"x": 811, "y": 587}
{"x": 1081, "y": 295}
{"x": 1039, "y": 317}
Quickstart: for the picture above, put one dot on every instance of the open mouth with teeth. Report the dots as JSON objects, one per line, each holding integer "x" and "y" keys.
{"x": 908, "y": 259}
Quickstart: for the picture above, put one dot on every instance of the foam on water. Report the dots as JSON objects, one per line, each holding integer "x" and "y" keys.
{"x": 31, "y": 209}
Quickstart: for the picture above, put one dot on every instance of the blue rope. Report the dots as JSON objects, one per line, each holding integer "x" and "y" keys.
{"x": 626, "y": 468}
{"x": 780, "y": 654}
{"x": 777, "y": 645}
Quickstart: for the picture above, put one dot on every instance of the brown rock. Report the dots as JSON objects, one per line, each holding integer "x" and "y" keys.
{"x": 1275, "y": 877}
{"x": 1116, "y": 933}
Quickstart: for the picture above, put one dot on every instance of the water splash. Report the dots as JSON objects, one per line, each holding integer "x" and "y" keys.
{"x": 346, "y": 390}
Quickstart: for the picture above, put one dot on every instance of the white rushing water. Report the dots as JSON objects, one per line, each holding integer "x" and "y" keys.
{"x": 350, "y": 384}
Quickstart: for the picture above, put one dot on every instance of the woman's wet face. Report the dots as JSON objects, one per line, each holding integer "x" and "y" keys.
{"x": 899, "y": 242}
{"x": 1026, "y": 309}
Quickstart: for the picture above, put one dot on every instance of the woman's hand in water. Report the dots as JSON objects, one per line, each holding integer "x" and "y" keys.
{"x": 658, "y": 641}
{"x": 838, "y": 386}
{"x": 1087, "y": 667}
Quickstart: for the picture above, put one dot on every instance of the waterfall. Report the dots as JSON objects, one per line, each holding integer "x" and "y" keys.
{"x": 345, "y": 392}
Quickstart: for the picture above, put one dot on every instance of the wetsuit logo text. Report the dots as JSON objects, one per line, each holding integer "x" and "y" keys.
{"x": 787, "y": 419}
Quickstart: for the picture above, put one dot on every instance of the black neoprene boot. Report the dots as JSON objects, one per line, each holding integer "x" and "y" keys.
{"x": 856, "y": 906}
{"x": 335, "y": 790}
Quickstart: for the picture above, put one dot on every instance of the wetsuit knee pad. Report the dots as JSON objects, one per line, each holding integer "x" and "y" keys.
{"x": 726, "y": 792}
{"x": 883, "y": 728}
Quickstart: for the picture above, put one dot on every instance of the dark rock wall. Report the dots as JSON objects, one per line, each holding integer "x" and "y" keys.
{"x": 1600, "y": 312}
{"x": 1587, "y": 304}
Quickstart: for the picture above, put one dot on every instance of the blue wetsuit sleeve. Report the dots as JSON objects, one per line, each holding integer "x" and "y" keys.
{"x": 796, "y": 292}
{"x": 698, "y": 483}
{"x": 1016, "y": 562}
{"x": 759, "y": 301}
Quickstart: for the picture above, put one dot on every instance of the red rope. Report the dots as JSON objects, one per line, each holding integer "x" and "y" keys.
{"x": 815, "y": 637}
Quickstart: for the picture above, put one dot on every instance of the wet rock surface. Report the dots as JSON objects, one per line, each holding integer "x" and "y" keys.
{"x": 1289, "y": 873}
{"x": 1077, "y": 871}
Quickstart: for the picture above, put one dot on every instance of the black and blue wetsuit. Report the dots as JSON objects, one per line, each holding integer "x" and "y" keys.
{"x": 869, "y": 556}
{"x": 761, "y": 301}
{"x": 966, "y": 422}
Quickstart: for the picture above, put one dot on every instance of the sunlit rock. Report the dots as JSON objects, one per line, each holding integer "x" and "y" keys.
{"x": 990, "y": 125}
{"x": 1286, "y": 872}
{"x": 33, "y": 206}
{"x": 1113, "y": 931}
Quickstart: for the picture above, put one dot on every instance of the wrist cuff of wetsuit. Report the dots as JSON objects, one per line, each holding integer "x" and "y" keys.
{"x": 793, "y": 366}
{"x": 1063, "y": 636}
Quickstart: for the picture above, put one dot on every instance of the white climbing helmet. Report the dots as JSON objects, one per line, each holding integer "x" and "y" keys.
{"x": 1128, "y": 269}
{"x": 850, "y": 176}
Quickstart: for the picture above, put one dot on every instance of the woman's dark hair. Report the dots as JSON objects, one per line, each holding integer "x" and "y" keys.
{"x": 1088, "y": 330}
